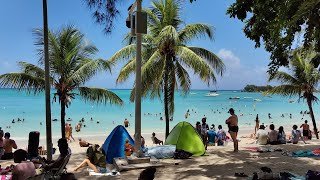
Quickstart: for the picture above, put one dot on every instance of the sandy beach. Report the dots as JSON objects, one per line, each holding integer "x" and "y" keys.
{"x": 220, "y": 162}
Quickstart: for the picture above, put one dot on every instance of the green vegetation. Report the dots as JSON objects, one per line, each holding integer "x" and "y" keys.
{"x": 277, "y": 24}
{"x": 254, "y": 88}
{"x": 166, "y": 55}
{"x": 302, "y": 81}
{"x": 71, "y": 67}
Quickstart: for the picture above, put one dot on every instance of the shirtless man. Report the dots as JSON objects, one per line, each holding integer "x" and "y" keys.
{"x": 126, "y": 123}
{"x": 306, "y": 130}
{"x": 232, "y": 122}
{"x": 84, "y": 143}
{"x": 8, "y": 144}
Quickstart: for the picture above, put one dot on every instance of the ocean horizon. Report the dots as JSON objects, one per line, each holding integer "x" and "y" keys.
{"x": 31, "y": 108}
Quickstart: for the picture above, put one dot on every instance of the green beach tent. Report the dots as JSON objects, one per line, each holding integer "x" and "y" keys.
{"x": 186, "y": 138}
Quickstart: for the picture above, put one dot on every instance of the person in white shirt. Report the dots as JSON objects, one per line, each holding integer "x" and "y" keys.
{"x": 273, "y": 135}
{"x": 296, "y": 135}
{"x": 262, "y": 136}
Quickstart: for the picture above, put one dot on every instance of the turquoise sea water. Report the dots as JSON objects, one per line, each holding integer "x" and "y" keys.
{"x": 14, "y": 104}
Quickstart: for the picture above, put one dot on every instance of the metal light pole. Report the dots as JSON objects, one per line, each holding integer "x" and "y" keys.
{"x": 47, "y": 81}
{"x": 137, "y": 137}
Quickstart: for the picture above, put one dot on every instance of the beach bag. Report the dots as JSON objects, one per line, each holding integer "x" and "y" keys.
{"x": 181, "y": 154}
{"x": 313, "y": 175}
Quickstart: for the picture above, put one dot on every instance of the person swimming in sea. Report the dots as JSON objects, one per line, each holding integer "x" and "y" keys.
{"x": 126, "y": 123}
{"x": 13, "y": 121}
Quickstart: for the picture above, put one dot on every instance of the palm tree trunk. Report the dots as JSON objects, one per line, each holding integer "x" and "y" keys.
{"x": 312, "y": 117}
{"x": 63, "y": 115}
{"x": 166, "y": 103}
{"x": 47, "y": 84}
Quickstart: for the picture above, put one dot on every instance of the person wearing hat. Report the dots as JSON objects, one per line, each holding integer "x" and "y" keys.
{"x": 232, "y": 122}
{"x": 262, "y": 136}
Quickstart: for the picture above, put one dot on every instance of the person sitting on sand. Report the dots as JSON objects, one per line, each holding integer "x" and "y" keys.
{"x": 281, "y": 136}
{"x": 273, "y": 135}
{"x": 8, "y": 145}
{"x": 83, "y": 143}
{"x": 232, "y": 122}
{"x": 211, "y": 137}
{"x": 155, "y": 139}
{"x": 64, "y": 151}
{"x": 296, "y": 135}
{"x": 128, "y": 148}
{"x": 95, "y": 159}
{"x": 126, "y": 123}
{"x": 212, "y": 128}
{"x": 1, "y": 143}
{"x": 24, "y": 169}
{"x": 257, "y": 124}
{"x": 262, "y": 136}
{"x": 305, "y": 130}
{"x": 222, "y": 136}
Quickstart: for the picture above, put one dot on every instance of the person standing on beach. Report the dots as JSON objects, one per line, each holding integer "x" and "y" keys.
{"x": 232, "y": 122}
{"x": 305, "y": 130}
{"x": 67, "y": 132}
{"x": 126, "y": 123}
{"x": 257, "y": 125}
{"x": 204, "y": 132}
{"x": 8, "y": 145}
{"x": 70, "y": 132}
{"x": 1, "y": 142}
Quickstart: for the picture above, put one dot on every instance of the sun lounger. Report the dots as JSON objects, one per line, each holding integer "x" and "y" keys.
{"x": 54, "y": 173}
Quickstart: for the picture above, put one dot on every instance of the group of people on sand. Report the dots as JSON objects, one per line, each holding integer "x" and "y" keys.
{"x": 26, "y": 168}
{"x": 219, "y": 137}
{"x": 274, "y": 137}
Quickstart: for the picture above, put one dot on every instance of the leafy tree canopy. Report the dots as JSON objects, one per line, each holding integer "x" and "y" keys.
{"x": 276, "y": 24}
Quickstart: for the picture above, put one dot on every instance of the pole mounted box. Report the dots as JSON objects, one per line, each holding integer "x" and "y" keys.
{"x": 140, "y": 22}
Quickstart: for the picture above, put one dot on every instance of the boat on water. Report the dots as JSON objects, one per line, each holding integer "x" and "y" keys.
{"x": 212, "y": 94}
{"x": 247, "y": 97}
{"x": 234, "y": 97}
{"x": 193, "y": 93}
{"x": 257, "y": 100}
{"x": 213, "y": 91}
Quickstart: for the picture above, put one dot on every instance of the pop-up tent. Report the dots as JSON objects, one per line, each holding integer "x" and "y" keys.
{"x": 186, "y": 138}
{"x": 114, "y": 144}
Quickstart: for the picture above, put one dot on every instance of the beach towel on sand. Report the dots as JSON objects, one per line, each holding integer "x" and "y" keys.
{"x": 302, "y": 153}
{"x": 92, "y": 173}
{"x": 161, "y": 152}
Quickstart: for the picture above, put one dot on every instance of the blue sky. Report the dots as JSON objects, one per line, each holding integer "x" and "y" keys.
{"x": 244, "y": 63}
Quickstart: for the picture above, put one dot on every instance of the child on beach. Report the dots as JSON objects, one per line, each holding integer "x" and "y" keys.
{"x": 128, "y": 148}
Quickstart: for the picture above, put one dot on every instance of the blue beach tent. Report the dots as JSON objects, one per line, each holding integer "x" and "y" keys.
{"x": 114, "y": 144}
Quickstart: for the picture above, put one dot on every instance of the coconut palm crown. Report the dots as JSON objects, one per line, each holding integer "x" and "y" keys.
{"x": 302, "y": 81}
{"x": 71, "y": 67}
{"x": 166, "y": 57}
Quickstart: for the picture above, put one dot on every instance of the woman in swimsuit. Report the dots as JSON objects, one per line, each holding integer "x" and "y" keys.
{"x": 232, "y": 122}
{"x": 257, "y": 125}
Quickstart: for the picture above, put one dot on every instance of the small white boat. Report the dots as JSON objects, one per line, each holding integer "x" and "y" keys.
{"x": 212, "y": 94}
{"x": 247, "y": 97}
{"x": 257, "y": 100}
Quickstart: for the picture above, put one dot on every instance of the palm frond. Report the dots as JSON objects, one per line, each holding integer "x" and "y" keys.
{"x": 183, "y": 78}
{"x": 196, "y": 63}
{"x": 22, "y": 81}
{"x": 195, "y": 31}
{"x": 99, "y": 95}
{"x": 127, "y": 52}
{"x": 31, "y": 69}
{"x": 286, "y": 90}
{"x": 215, "y": 62}
{"x": 126, "y": 70}
{"x": 283, "y": 77}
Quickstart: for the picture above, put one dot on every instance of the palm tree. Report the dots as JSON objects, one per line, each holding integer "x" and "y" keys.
{"x": 302, "y": 81}
{"x": 71, "y": 67}
{"x": 166, "y": 56}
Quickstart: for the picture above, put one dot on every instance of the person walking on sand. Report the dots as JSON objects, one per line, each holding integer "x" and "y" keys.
{"x": 257, "y": 125}
{"x": 70, "y": 133}
{"x": 126, "y": 123}
{"x": 305, "y": 130}
{"x": 232, "y": 122}
{"x": 67, "y": 132}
